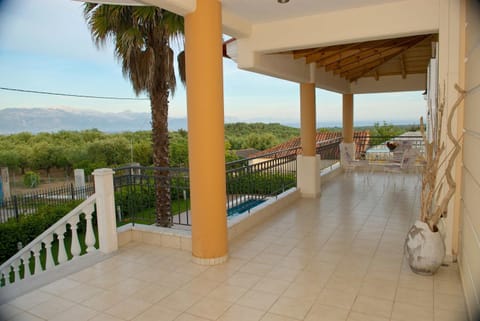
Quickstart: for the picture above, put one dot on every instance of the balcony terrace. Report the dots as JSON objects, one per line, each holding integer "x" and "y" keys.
{"x": 336, "y": 257}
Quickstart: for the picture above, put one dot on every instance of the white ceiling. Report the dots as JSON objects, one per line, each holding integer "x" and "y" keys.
{"x": 259, "y": 11}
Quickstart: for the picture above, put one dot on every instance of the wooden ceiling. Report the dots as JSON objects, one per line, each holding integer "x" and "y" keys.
{"x": 398, "y": 56}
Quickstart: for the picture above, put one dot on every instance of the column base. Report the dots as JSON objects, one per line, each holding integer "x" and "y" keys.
{"x": 210, "y": 261}
{"x": 308, "y": 176}
{"x": 350, "y": 148}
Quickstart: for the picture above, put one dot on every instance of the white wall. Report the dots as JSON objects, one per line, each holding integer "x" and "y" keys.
{"x": 469, "y": 258}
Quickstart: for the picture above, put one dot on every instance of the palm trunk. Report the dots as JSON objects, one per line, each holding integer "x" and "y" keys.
{"x": 159, "y": 105}
{"x": 160, "y": 158}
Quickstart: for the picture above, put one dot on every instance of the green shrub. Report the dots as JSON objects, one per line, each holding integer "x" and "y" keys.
{"x": 135, "y": 198}
{"x": 31, "y": 179}
{"x": 138, "y": 197}
{"x": 29, "y": 227}
{"x": 261, "y": 183}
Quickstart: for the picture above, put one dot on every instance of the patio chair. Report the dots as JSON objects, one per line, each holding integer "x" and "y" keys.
{"x": 399, "y": 151}
{"x": 350, "y": 164}
{"x": 406, "y": 165}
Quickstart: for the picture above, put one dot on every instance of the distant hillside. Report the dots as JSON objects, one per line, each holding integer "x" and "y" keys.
{"x": 258, "y": 135}
{"x": 35, "y": 120}
{"x": 280, "y": 131}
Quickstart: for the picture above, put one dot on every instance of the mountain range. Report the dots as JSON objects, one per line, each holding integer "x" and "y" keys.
{"x": 35, "y": 120}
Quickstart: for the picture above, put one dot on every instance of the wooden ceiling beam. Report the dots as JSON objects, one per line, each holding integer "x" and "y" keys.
{"x": 297, "y": 54}
{"x": 402, "y": 66}
{"x": 363, "y": 69}
{"x": 352, "y": 54}
{"x": 328, "y": 52}
{"x": 363, "y": 49}
{"x": 383, "y": 56}
{"x": 400, "y": 56}
{"x": 343, "y": 53}
{"x": 337, "y": 57}
{"x": 382, "y": 51}
{"x": 383, "y": 74}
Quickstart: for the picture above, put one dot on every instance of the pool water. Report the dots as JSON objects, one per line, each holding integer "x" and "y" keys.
{"x": 243, "y": 207}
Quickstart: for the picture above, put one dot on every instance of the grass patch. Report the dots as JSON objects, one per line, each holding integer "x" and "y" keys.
{"x": 148, "y": 216}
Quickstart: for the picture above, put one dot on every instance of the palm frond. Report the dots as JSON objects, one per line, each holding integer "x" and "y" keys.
{"x": 170, "y": 71}
{"x": 138, "y": 33}
{"x": 181, "y": 67}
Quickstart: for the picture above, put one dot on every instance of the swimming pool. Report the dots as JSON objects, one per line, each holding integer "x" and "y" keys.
{"x": 244, "y": 206}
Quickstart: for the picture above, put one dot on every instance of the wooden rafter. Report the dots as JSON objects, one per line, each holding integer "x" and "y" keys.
{"x": 400, "y": 56}
{"x": 356, "y": 73}
{"x": 402, "y": 65}
{"x": 336, "y": 53}
{"x": 380, "y": 56}
{"x": 360, "y": 50}
{"x": 413, "y": 43}
{"x": 369, "y": 53}
{"x": 297, "y": 54}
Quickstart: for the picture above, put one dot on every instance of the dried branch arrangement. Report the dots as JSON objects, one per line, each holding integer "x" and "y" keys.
{"x": 434, "y": 201}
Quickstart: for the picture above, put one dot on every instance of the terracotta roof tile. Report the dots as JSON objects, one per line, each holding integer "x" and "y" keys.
{"x": 361, "y": 139}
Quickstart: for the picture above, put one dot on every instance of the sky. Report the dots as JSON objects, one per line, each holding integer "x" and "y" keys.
{"x": 45, "y": 45}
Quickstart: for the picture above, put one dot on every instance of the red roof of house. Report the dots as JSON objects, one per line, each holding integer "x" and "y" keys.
{"x": 361, "y": 139}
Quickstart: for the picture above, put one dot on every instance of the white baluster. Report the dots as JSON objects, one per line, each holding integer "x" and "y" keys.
{"x": 62, "y": 253}
{"x": 36, "y": 253}
{"x": 89, "y": 235}
{"x": 75, "y": 248}
{"x": 18, "y": 263}
{"x": 26, "y": 264}
{"x": 48, "y": 248}
{"x": 9, "y": 271}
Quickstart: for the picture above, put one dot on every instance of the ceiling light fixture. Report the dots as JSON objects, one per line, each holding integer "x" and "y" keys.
{"x": 283, "y": 1}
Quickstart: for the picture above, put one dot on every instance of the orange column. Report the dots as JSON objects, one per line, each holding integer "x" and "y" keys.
{"x": 206, "y": 142}
{"x": 347, "y": 118}
{"x": 308, "y": 131}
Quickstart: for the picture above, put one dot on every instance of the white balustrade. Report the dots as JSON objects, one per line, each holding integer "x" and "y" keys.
{"x": 36, "y": 253}
{"x": 8, "y": 279}
{"x": 26, "y": 259}
{"x": 62, "y": 253}
{"x": 48, "y": 250}
{"x": 16, "y": 268}
{"x": 11, "y": 270}
{"x": 89, "y": 234}
{"x": 75, "y": 248}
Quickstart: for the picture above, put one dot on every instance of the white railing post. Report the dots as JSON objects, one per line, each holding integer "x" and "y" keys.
{"x": 107, "y": 226}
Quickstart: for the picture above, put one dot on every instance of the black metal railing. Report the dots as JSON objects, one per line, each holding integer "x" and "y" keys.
{"x": 248, "y": 183}
{"x": 329, "y": 151}
{"x": 135, "y": 194}
{"x": 252, "y": 181}
{"x": 28, "y": 203}
{"x": 379, "y": 148}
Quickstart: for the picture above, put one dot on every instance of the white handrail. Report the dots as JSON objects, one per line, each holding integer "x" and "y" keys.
{"x": 72, "y": 218}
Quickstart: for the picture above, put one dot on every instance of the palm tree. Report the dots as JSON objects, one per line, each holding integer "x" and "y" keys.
{"x": 142, "y": 37}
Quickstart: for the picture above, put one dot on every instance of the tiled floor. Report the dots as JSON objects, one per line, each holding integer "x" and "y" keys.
{"x": 339, "y": 257}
